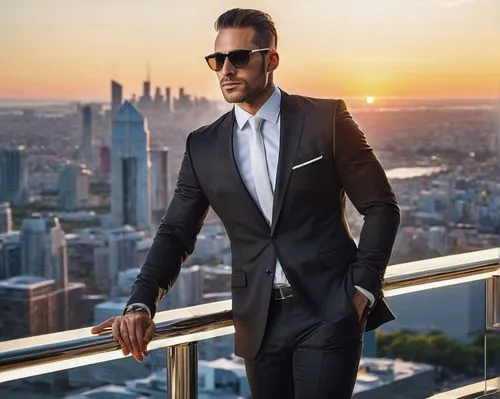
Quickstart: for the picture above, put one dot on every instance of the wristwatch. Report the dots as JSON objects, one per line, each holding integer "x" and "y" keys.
{"x": 134, "y": 308}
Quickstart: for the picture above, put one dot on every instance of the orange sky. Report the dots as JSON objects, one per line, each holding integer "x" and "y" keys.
{"x": 382, "y": 48}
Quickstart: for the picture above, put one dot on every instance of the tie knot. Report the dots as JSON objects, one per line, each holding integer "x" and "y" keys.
{"x": 255, "y": 123}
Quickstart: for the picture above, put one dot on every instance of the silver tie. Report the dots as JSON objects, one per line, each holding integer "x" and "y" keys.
{"x": 260, "y": 171}
{"x": 262, "y": 181}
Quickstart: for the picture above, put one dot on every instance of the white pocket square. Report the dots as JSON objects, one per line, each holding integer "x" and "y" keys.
{"x": 300, "y": 165}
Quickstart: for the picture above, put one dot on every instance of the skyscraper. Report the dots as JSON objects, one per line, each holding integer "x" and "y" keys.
{"x": 188, "y": 288}
{"x": 25, "y": 306}
{"x": 10, "y": 255}
{"x": 43, "y": 249}
{"x": 104, "y": 161}
{"x": 122, "y": 247}
{"x": 183, "y": 102}
{"x": 116, "y": 98}
{"x": 146, "y": 90}
{"x": 146, "y": 99}
{"x": 33, "y": 305}
{"x": 13, "y": 176}
{"x": 5, "y": 218}
{"x": 158, "y": 97}
{"x": 130, "y": 176}
{"x": 168, "y": 99}
{"x": 87, "y": 128}
{"x": 159, "y": 182}
{"x": 74, "y": 186}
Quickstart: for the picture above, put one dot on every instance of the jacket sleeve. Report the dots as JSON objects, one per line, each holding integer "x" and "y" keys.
{"x": 174, "y": 239}
{"x": 366, "y": 185}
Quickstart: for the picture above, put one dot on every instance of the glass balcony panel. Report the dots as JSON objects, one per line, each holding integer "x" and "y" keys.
{"x": 492, "y": 360}
{"x": 492, "y": 335}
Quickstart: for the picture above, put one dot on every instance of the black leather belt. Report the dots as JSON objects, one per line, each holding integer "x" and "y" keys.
{"x": 281, "y": 293}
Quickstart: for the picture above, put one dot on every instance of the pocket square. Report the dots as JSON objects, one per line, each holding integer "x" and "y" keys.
{"x": 300, "y": 165}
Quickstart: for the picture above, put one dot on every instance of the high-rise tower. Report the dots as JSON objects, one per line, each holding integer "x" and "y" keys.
{"x": 130, "y": 164}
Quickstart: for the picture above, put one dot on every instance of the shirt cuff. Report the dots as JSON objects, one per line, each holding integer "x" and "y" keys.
{"x": 369, "y": 295}
{"x": 143, "y": 306}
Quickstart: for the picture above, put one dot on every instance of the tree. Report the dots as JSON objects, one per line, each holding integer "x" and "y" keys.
{"x": 449, "y": 356}
{"x": 492, "y": 350}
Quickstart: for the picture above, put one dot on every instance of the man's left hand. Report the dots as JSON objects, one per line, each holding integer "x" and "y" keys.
{"x": 360, "y": 303}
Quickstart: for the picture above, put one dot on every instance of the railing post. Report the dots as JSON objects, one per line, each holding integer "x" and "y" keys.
{"x": 182, "y": 371}
{"x": 492, "y": 324}
{"x": 493, "y": 303}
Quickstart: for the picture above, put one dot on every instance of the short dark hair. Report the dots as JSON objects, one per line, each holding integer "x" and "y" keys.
{"x": 260, "y": 21}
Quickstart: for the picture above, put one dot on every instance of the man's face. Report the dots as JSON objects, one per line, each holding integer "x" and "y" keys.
{"x": 241, "y": 84}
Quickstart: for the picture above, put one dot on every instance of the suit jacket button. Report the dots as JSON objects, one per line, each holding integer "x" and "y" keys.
{"x": 269, "y": 272}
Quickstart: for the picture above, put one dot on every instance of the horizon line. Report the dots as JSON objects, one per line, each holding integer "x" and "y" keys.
{"x": 97, "y": 100}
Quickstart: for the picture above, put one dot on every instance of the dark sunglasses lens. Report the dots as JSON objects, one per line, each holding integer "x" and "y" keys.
{"x": 239, "y": 58}
{"x": 216, "y": 61}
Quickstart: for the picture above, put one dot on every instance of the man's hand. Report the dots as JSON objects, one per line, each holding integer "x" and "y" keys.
{"x": 360, "y": 303}
{"x": 133, "y": 332}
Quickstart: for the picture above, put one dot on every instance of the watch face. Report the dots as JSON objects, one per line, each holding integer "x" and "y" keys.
{"x": 134, "y": 309}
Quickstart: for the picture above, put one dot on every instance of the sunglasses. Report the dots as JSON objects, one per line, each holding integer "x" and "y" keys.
{"x": 239, "y": 58}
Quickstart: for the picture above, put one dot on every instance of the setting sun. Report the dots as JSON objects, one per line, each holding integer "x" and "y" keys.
{"x": 370, "y": 100}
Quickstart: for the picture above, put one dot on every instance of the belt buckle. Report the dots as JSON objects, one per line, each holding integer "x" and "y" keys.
{"x": 282, "y": 295}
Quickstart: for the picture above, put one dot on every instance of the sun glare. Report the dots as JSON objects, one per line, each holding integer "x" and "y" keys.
{"x": 370, "y": 100}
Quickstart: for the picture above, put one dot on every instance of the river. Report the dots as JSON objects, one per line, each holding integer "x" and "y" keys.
{"x": 411, "y": 172}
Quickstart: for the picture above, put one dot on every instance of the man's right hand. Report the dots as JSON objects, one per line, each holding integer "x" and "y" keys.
{"x": 133, "y": 332}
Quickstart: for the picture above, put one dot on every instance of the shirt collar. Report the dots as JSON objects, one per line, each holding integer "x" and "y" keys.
{"x": 269, "y": 111}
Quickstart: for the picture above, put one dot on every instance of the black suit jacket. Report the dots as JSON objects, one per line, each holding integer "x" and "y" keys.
{"x": 308, "y": 232}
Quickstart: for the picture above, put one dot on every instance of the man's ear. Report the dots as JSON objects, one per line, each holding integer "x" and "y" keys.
{"x": 274, "y": 60}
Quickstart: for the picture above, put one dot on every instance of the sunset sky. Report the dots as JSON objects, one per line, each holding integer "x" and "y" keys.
{"x": 58, "y": 49}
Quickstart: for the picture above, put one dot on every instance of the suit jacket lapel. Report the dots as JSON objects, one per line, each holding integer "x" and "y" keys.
{"x": 227, "y": 126}
{"x": 292, "y": 121}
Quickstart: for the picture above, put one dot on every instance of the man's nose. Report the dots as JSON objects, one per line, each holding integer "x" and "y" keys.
{"x": 228, "y": 67}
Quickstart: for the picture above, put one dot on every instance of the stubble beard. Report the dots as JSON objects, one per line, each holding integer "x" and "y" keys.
{"x": 246, "y": 93}
{"x": 237, "y": 96}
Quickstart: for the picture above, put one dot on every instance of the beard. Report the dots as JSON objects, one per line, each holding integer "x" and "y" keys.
{"x": 244, "y": 91}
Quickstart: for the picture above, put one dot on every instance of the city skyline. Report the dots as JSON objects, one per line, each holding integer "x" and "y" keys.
{"x": 381, "y": 48}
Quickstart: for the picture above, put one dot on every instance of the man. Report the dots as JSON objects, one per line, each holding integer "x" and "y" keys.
{"x": 276, "y": 169}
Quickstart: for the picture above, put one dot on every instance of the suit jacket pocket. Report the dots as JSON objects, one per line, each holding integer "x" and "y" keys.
{"x": 238, "y": 279}
{"x": 307, "y": 162}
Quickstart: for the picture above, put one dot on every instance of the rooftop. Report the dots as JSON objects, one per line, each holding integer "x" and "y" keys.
{"x": 128, "y": 113}
{"x": 115, "y": 303}
{"x": 26, "y": 282}
{"x": 374, "y": 372}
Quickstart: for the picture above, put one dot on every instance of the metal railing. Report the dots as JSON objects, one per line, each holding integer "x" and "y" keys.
{"x": 179, "y": 330}
{"x": 473, "y": 391}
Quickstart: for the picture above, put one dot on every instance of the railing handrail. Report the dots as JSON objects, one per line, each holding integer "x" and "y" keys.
{"x": 32, "y": 356}
{"x": 471, "y": 391}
